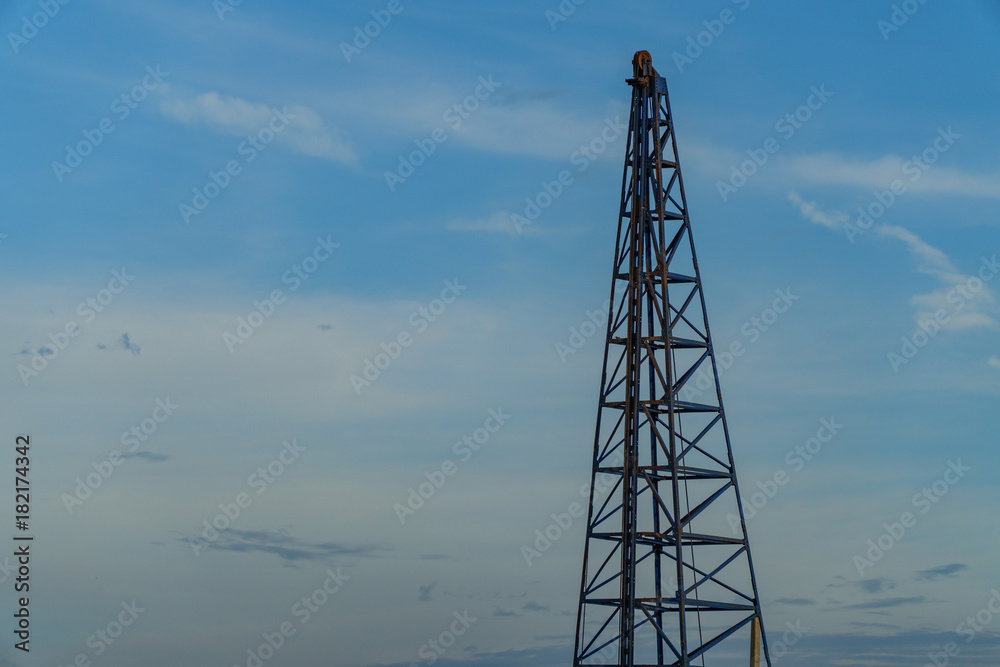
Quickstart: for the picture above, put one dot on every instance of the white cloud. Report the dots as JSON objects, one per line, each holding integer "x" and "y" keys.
{"x": 977, "y": 305}
{"x": 930, "y": 260}
{"x": 975, "y": 312}
{"x": 835, "y": 169}
{"x": 306, "y": 133}
{"x": 811, "y": 211}
{"x": 994, "y": 362}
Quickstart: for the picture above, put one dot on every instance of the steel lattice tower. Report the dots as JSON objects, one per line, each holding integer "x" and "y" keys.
{"x": 667, "y": 573}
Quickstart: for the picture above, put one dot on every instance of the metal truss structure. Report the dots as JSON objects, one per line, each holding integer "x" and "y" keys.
{"x": 667, "y": 573}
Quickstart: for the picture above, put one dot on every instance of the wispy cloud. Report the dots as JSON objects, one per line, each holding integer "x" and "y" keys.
{"x": 283, "y": 545}
{"x": 977, "y": 306}
{"x": 940, "y": 572}
{"x": 425, "y": 592}
{"x": 994, "y": 362}
{"x": 795, "y": 601}
{"x": 930, "y": 260}
{"x": 27, "y": 350}
{"x": 861, "y": 624}
{"x": 879, "y": 173}
{"x": 306, "y": 132}
{"x": 876, "y": 585}
{"x": 886, "y": 603}
{"x": 887, "y": 649}
{"x": 125, "y": 343}
{"x": 811, "y": 211}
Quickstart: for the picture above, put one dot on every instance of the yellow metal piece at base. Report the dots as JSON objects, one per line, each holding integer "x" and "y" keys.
{"x": 755, "y": 642}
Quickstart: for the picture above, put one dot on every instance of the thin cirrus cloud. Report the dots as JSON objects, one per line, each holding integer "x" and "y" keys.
{"x": 876, "y": 585}
{"x": 930, "y": 260}
{"x": 835, "y": 169}
{"x": 306, "y": 132}
{"x": 941, "y": 572}
{"x": 978, "y": 305}
{"x": 834, "y": 220}
{"x": 888, "y": 603}
{"x": 123, "y": 343}
{"x": 284, "y": 546}
{"x": 795, "y": 601}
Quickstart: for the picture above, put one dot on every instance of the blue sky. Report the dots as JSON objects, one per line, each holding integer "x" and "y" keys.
{"x": 483, "y": 311}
